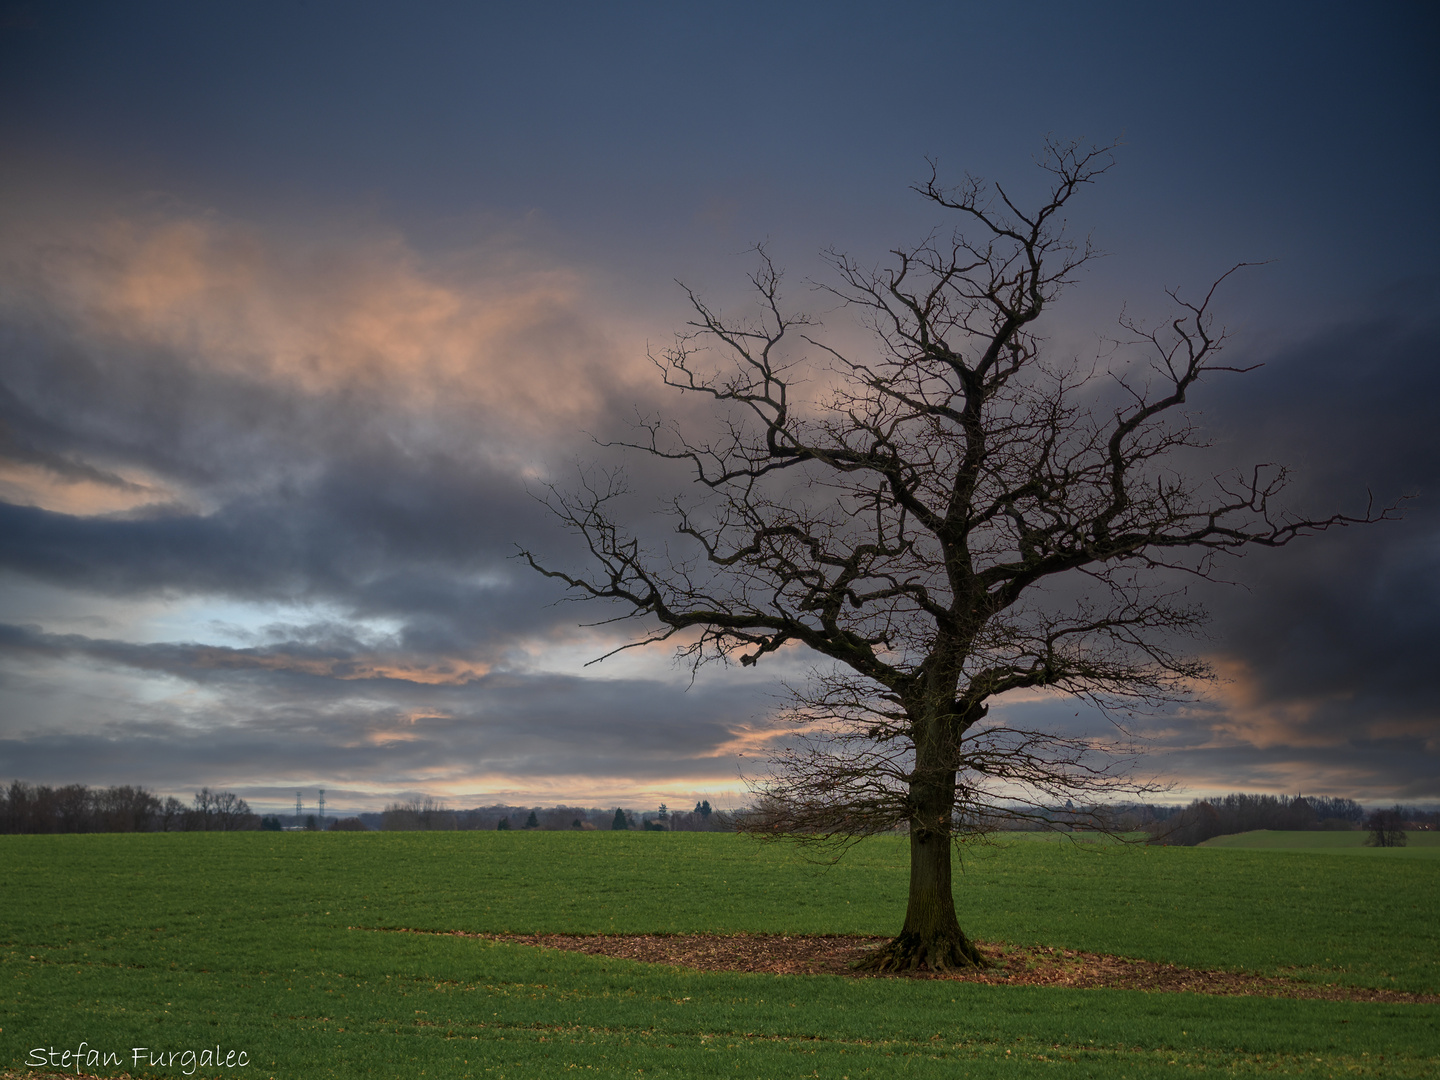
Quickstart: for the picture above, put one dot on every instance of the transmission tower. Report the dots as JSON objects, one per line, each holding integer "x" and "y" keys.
{"x": 322, "y": 805}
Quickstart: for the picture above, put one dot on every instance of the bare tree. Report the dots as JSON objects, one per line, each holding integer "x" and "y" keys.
{"x": 1387, "y": 828}
{"x": 428, "y": 814}
{"x": 202, "y": 814}
{"x": 220, "y": 810}
{"x": 170, "y": 814}
{"x": 230, "y": 812}
{"x": 951, "y": 519}
{"x": 125, "y": 808}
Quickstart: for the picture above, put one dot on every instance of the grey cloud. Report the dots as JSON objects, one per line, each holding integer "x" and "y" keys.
{"x": 415, "y": 544}
{"x": 523, "y": 719}
{"x": 1369, "y": 770}
{"x": 339, "y": 495}
{"x": 525, "y": 728}
{"x": 1351, "y": 616}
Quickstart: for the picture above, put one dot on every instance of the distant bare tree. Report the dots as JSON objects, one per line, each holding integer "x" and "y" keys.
{"x": 436, "y": 816}
{"x": 170, "y": 815}
{"x": 563, "y": 817}
{"x": 125, "y": 809}
{"x": 427, "y": 814}
{"x": 1387, "y": 828}
{"x": 953, "y": 517}
{"x": 198, "y": 816}
{"x": 401, "y": 817}
{"x": 220, "y": 811}
{"x": 231, "y": 812}
{"x": 73, "y": 808}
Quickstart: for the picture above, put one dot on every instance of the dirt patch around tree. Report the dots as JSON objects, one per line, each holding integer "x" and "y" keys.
{"x": 1011, "y": 965}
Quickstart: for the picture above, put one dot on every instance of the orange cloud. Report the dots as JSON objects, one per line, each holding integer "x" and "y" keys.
{"x": 1247, "y": 714}
{"x": 442, "y": 672}
{"x": 495, "y": 338}
{"x": 679, "y": 792}
{"x": 25, "y": 484}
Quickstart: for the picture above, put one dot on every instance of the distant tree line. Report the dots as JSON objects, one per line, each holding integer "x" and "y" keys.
{"x": 429, "y": 814}
{"x": 1204, "y": 819}
{"x": 1102, "y": 817}
{"x": 311, "y": 823}
{"x": 1201, "y": 820}
{"x": 76, "y": 808}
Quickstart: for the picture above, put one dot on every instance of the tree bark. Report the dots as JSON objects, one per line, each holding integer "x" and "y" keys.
{"x": 931, "y": 937}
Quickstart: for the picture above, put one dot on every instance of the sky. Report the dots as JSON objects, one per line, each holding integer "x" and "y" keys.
{"x": 302, "y": 304}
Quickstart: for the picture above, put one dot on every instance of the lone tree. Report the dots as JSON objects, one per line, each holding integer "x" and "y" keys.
{"x": 1387, "y": 828}
{"x": 948, "y": 518}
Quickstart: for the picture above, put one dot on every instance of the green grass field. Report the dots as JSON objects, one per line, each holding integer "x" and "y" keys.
{"x": 275, "y": 944}
{"x": 1418, "y": 845}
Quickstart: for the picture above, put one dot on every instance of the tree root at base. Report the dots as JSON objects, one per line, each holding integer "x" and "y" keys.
{"x": 912, "y": 952}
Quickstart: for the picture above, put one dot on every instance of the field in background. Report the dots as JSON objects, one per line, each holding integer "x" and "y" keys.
{"x": 1418, "y": 844}
{"x": 278, "y": 944}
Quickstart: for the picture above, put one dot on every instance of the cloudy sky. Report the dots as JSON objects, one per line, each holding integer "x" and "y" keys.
{"x": 300, "y": 303}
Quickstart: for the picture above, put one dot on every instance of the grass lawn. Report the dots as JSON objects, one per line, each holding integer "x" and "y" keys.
{"x": 277, "y": 945}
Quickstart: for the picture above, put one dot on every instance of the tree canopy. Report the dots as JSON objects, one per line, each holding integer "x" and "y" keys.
{"x": 947, "y": 515}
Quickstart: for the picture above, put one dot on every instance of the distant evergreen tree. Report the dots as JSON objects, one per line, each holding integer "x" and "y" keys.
{"x": 270, "y": 824}
{"x": 532, "y": 822}
{"x": 620, "y": 822}
{"x": 504, "y": 823}
{"x": 703, "y": 809}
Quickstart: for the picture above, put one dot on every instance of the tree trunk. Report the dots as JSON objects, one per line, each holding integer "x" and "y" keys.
{"x": 931, "y": 937}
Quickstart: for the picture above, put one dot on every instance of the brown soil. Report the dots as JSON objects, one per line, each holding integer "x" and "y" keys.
{"x": 1011, "y": 965}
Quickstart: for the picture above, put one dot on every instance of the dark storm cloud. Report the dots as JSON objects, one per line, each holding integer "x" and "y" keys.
{"x": 283, "y": 713}
{"x": 1370, "y": 770}
{"x": 344, "y": 668}
{"x": 438, "y": 560}
{"x": 1327, "y": 646}
{"x": 407, "y": 544}
{"x": 1353, "y": 413}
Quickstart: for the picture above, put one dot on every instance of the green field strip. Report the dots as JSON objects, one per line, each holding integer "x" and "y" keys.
{"x": 1267, "y": 912}
{"x": 1419, "y": 843}
{"x": 467, "y": 989}
{"x": 247, "y": 939}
